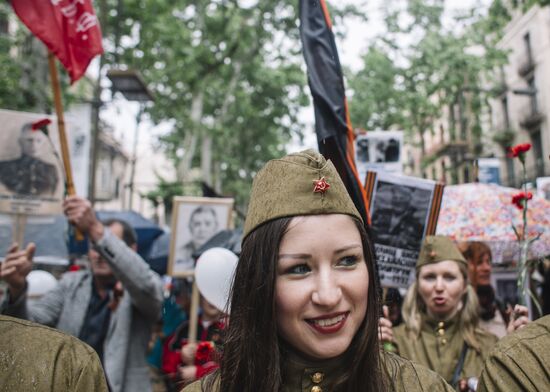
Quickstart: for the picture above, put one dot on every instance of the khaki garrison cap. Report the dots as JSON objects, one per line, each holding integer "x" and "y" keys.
{"x": 303, "y": 183}
{"x": 436, "y": 248}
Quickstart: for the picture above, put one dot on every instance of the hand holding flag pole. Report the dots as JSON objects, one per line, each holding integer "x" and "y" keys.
{"x": 70, "y": 30}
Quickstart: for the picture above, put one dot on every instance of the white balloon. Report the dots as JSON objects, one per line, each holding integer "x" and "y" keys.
{"x": 214, "y": 274}
{"x": 39, "y": 283}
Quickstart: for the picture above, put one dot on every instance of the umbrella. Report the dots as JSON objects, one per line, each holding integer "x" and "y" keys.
{"x": 484, "y": 212}
{"x": 228, "y": 239}
{"x": 47, "y": 232}
{"x": 146, "y": 230}
{"x": 157, "y": 254}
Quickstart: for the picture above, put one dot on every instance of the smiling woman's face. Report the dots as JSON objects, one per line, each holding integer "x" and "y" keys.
{"x": 322, "y": 285}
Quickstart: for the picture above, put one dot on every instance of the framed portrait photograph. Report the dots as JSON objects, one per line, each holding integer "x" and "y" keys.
{"x": 379, "y": 151}
{"x": 195, "y": 220}
{"x": 31, "y": 174}
{"x": 403, "y": 211}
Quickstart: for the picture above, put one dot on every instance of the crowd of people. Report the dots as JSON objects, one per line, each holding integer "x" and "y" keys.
{"x": 305, "y": 311}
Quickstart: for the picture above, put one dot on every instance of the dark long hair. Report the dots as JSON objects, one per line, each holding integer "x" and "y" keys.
{"x": 252, "y": 355}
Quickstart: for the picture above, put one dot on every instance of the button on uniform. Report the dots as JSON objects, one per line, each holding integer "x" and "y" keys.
{"x": 317, "y": 377}
{"x": 316, "y": 388}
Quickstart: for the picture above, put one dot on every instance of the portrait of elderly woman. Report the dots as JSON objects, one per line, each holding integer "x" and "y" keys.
{"x": 30, "y": 174}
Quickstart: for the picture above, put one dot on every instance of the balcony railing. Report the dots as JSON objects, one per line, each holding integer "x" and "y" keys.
{"x": 531, "y": 119}
{"x": 451, "y": 147}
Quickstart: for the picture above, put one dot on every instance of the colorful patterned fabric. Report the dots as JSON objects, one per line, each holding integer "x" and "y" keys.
{"x": 485, "y": 212}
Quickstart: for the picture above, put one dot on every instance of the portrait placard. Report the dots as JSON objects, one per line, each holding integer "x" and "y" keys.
{"x": 31, "y": 174}
{"x": 403, "y": 211}
{"x": 505, "y": 282}
{"x": 379, "y": 151}
{"x": 194, "y": 221}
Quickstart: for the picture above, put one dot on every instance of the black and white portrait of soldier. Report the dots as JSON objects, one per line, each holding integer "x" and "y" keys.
{"x": 29, "y": 174}
{"x": 203, "y": 224}
{"x": 399, "y": 214}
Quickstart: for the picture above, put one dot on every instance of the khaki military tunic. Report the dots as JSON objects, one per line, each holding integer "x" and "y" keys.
{"x": 439, "y": 347}
{"x": 520, "y": 361}
{"x": 37, "y": 358}
{"x": 303, "y": 376}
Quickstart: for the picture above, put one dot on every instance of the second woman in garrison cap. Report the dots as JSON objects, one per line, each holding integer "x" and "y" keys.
{"x": 304, "y": 306}
{"x": 440, "y": 311}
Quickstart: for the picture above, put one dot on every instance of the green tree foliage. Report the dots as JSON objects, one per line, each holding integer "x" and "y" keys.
{"x": 22, "y": 87}
{"x": 420, "y": 69}
{"x": 24, "y": 74}
{"x": 375, "y": 102}
{"x": 229, "y": 77}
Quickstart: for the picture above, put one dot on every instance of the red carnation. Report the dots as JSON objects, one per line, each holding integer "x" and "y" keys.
{"x": 40, "y": 124}
{"x": 519, "y": 150}
{"x": 520, "y": 199}
{"x": 203, "y": 353}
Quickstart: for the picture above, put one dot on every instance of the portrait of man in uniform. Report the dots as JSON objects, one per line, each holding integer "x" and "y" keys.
{"x": 399, "y": 215}
{"x": 29, "y": 174}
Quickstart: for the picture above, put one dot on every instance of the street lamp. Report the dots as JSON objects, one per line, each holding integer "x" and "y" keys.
{"x": 130, "y": 83}
{"x": 132, "y": 86}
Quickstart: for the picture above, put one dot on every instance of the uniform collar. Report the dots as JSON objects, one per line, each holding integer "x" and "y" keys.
{"x": 300, "y": 373}
{"x": 433, "y": 324}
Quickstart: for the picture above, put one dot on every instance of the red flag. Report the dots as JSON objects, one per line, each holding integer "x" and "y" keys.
{"x": 69, "y": 28}
{"x": 332, "y": 123}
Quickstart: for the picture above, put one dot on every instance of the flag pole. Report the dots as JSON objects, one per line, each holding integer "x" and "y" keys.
{"x": 62, "y": 134}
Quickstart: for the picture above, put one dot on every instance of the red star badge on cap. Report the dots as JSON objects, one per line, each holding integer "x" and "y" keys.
{"x": 320, "y": 186}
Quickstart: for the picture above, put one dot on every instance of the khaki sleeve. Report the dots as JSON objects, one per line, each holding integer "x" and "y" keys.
{"x": 405, "y": 375}
{"x": 194, "y": 387}
{"x": 501, "y": 373}
{"x": 91, "y": 378}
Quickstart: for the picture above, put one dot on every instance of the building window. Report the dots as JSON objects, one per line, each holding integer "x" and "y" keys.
{"x": 117, "y": 188}
{"x": 466, "y": 173}
{"x": 528, "y": 51}
{"x": 533, "y": 96}
{"x": 510, "y": 172}
{"x": 537, "y": 151}
{"x": 505, "y": 112}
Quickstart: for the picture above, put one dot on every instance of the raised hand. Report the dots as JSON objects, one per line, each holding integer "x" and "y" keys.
{"x": 16, "y": 267}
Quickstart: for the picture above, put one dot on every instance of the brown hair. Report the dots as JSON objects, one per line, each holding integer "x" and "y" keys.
{"x": 474, "y": 251}
{"x": 252, "y": 350}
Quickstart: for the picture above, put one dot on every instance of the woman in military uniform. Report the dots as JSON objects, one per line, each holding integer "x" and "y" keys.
{"x": 304, "y": 306}
{"x": 441, "y": 329}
